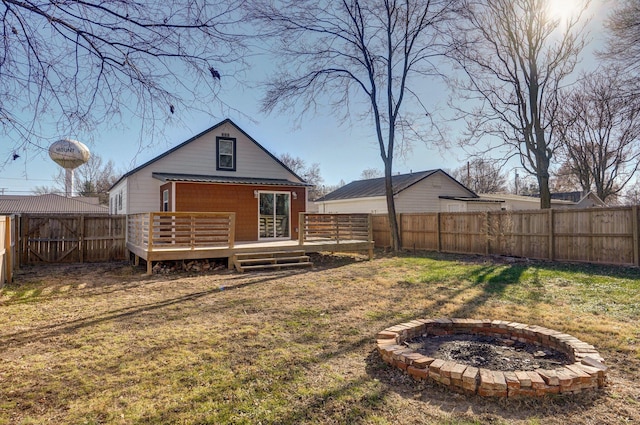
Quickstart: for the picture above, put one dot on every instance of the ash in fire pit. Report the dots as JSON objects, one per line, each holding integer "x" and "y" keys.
{"x": 488, "y": 352}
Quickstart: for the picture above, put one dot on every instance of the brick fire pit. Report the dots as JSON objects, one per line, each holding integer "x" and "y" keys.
{"x": 586, "y": 372}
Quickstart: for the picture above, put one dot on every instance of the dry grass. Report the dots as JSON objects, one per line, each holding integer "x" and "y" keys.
{"x": 105, "y": 344}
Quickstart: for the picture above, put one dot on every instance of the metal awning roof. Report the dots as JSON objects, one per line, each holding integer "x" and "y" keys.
{"x": 196, "y": 178}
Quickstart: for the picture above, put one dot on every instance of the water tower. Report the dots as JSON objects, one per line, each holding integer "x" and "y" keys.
{"x": 69, "y": 154}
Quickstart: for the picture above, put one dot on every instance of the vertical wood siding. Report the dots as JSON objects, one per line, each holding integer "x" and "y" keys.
{"x": 208, "y": 197}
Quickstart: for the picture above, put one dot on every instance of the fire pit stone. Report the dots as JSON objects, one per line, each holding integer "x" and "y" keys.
{"x": 586, "y": 370}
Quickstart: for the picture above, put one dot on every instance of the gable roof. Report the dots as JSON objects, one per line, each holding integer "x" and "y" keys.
{"x": 197, "y": 136}
{"x": 47, "y": 204}
{"x": 376, "y": 187}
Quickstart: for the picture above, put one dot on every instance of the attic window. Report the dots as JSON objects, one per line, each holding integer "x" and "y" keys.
{"x": 225, "y": 153}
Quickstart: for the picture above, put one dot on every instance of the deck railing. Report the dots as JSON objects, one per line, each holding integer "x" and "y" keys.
{"x": 335, "y": 227}
{"x": 181, "y": 230}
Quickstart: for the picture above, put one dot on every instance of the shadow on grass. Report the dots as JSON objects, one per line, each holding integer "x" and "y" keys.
{"x": 49, "y": 331}
{"x": 619, "y": 272}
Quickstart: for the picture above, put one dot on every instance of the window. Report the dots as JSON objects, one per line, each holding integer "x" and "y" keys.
{"x": 226, "y": 153}
{"x": 119, "y": 200}
{"x": 165, "y": 200}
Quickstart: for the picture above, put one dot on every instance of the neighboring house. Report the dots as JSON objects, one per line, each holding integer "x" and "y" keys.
{"x": 581, "y": 199}
{"x": 424, "y": 191}
{"x": 520, "y": 202}
{"x": 222, "y": 169}
{"x": 49, "y": 204}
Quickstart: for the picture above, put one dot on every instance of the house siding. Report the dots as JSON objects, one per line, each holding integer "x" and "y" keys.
{"x": 373, "y": 205}
{"x": 240, "y": 199}
{"x": 199, "y": 157}
{"x": 483, "y": 206}
{"x": 424, "y": 196}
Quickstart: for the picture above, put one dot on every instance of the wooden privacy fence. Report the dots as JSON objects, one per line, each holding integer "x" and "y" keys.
{"x": 181, "y": 230}
{"x": 7, "y": 248}
{"x": 66, "y": 238}
{"x": 595, "y": 235}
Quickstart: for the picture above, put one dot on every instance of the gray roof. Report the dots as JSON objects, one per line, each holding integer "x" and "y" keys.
{"x": 47, "y": 204}
{"x": 173, "y": 177}
{"x": 376, "y": 187}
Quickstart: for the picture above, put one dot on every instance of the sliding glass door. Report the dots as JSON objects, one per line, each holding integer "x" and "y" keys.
{"x": 274, "y": 212}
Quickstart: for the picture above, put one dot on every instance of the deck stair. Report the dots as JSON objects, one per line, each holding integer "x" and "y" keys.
{"x": 270, "y": 260}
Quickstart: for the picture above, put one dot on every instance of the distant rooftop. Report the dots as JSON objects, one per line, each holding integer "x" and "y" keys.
{"x": 49, "y": 204}
{"x": 376, "y": 187}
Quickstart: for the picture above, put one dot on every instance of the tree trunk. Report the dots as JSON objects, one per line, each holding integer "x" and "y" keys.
{"x": 396, "y": 243}
{"x": 545, "y": 193}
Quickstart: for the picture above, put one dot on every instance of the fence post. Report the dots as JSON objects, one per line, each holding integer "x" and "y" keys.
{"x": 635, "y": 225}
{"x": 438, "y": 236}
{"x": 370, "y": 235}
{"x": 400, "y": 235}
{"x": 24, "y": 240}
{"x": 81, "y": 239}
{"x": 487, "y": 242}
{"x": 551, "y": 239}
{"x": 8, "y": 249}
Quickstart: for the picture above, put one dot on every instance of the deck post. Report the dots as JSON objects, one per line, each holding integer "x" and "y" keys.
{"x": 232, "y": 229}
{"x": 150, "y": 233}
{"x": 149, "y": 267}
{"x": 301, "y": 218}
{"x": 192, "y": 232}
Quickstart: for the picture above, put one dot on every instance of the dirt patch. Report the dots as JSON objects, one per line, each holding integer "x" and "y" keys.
{"x": 488, "y": 352}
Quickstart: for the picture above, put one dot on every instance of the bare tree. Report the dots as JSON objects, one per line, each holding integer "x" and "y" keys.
{"x": 87, "y": 63}
{"x": 481, "y": 176}
{"x": 516, "y": 58}
{"x": 371, "y": 173}
{"x": 623, "y": 46}
{"x": 564, "y": 179}
{"x": 600, "y": 131}
{"x": 375, "y": 53}
{"x": 632, "y": 194}
{"x": 310, "y": 174}
{"x": 92, "y": 179}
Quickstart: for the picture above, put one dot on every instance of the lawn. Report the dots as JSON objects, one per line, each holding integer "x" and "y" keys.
{"x": 93, "y": 344}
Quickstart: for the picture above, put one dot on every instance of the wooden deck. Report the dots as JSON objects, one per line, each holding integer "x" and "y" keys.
{"x": 162, "y": 236}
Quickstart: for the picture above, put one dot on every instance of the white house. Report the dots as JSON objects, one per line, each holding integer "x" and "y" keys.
{"x": 222, "y": 169}
{"x": 424, "y": 191}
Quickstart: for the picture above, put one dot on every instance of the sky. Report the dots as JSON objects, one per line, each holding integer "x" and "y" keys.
{"x": 342, "y": 149}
